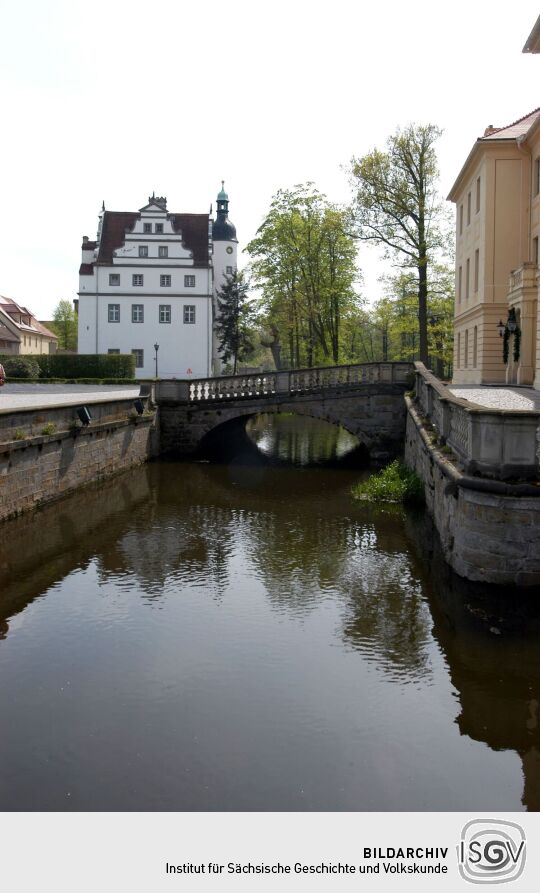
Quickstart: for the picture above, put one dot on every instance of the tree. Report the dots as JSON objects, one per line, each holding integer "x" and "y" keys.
{"x": 234, "y": 323}
{"x": 304, "y": 261}
{"x": 65, "y": 325}
{"x": 397, "y": 205}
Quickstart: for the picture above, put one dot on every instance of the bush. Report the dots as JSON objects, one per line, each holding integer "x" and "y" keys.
{"x": 395, "y": 483}
{"x": 58, "y": 365}
{"x": 20, "y": 367}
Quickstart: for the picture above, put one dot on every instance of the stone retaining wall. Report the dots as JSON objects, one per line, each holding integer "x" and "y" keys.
{"x": 37, "y": 469}
{"x": 489, "y": 530}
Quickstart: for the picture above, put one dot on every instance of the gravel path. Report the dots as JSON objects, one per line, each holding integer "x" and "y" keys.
{"x": 15, "y": 396}
{"x": 499, "y": 398}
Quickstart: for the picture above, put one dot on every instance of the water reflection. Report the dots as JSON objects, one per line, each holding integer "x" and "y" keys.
{"x": 300, "y": 440}
{"x": 250, "y": 638}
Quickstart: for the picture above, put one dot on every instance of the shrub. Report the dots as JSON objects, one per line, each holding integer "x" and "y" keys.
{"x": 49, "y": 428}
{"x": 395, "y": 483}
{"x": 77, "y": 366}
{"x": 21, "y": 367}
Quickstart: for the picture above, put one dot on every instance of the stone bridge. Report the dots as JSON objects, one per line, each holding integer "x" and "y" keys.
{"x": 365, "y": 399}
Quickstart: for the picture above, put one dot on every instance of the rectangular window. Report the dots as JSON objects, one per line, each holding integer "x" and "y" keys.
{"x": 468, "y": 208}
{"x": 138, "y": 353}
{"x": 113, "y": 350}
{"x": 458, "y": 357}
{"x": 475, "y": 348}
{"x": 114, "y": 278}
{"x": 143, "y": 250}
{"x": 537, "y": 176}
{"x": 228, "y": 270}
{"x": 137, "y": 313}
{"x": 137, "y": 279}
{"x": 114, "y": 312}
{"x": 476, "y": 269}
{"x": 164, "y": 312}
{"x": 165, "y": 281}
{"x": 189, "y": 313}
{"x": 478, "y": 195}
{"x": 163, "y": 251}
{"x": 461, "y": 220}
{"x": 466, "y": 357}
{"x": 468, "y": 279}
{"x": 189, "y": 281}
{"x": 460, "y": 283}
{"x": 159, "y": 227}
{"x": 535, "y": 250}
{"x": 147, "y": 228}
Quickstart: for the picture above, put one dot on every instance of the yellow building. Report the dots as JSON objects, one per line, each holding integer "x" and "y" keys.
{"x": 21, "y": 333}
{"x": 497, "y": 197}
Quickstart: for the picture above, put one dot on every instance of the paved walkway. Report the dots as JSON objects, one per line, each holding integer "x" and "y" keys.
{"x": 15, "y": 395}
{"x": 499, "y": 398}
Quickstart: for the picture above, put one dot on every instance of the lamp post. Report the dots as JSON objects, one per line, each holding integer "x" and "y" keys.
{"x": 156, "y": 348}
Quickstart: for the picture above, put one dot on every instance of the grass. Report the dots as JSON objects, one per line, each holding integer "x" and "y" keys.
{"x": 395, "y": 483}
{"x": 49, "y": 428}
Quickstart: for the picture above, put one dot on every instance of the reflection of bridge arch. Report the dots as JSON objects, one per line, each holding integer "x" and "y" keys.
{"x": 365, "y": 400}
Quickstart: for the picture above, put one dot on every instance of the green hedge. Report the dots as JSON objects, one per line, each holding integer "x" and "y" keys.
{"x": 74, "y": 366}
{"x": 20, "y": 366}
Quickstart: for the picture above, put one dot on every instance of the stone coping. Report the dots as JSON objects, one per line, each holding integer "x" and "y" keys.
{"x": 11, "y": 446}
{"x": 457, "y": 477}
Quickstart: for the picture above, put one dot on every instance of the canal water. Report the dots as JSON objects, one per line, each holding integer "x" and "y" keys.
{"x": 245, "y": 636}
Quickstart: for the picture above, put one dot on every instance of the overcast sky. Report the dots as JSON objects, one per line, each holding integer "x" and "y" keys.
{"x": 112, "y": 100}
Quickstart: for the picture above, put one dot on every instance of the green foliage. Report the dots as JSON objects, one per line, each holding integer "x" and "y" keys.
{"x": 389, "y": 330}
{"x": 49, "y": 428}
{"x": 303, "y": 259}
{"x": 20, "y": 366}
{"x": 395, "y": 483}
{"x": 19, "y": 435}
{"x": 95, "y": 366}
{"x": 397, "y": 206}
{"x": 64, "y": 324}
{"x": 234, "y": 322}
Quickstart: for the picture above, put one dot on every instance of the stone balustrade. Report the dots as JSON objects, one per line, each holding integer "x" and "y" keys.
{"x": 289, "y": 382}
{"x": 493, "y": 442}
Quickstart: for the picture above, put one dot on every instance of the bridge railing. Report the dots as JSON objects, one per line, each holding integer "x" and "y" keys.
{"x": 499, "y": 443}
{"x": 292, "y": 381}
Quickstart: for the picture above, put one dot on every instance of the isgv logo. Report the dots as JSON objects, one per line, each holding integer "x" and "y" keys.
{"x": 491, "y": 851}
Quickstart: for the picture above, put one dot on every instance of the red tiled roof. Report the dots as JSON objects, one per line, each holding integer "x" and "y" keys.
{"x": 88, "y": 246}
{"x": 512, "y": 131}
{"x": 194, "y": 228}
{"x": 86, "y": 269}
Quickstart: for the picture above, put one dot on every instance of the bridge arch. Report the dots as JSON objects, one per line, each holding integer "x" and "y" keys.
{"x": 229, "y": 438}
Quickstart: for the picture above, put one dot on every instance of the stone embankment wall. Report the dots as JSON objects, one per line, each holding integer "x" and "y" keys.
{"x": 36, "y": 468}
{"x": 489, "y": 530}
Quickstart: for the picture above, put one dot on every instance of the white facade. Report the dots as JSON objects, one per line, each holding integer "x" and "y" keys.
{"x": 147, "y": 280}
{"x": 151, "y": 278}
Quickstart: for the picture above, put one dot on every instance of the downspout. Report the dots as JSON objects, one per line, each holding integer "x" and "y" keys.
{"x": 521, "y": 142}
{"x": 97, "y": 315}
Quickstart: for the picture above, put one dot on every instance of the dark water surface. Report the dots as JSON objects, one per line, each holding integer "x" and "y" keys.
{"x": 200, "y": 637}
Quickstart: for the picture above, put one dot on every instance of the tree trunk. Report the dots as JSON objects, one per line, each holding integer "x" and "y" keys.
{"x": 422, "y": 310}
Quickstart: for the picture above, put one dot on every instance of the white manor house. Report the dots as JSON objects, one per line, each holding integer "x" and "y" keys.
{"x": 150, "y": 280}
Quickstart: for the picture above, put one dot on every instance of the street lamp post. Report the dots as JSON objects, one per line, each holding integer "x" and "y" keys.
{"x": 156, "y": 348}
